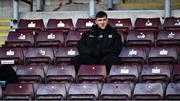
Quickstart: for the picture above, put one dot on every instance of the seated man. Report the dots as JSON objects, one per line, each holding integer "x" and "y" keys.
{"x": 100, "y": 45}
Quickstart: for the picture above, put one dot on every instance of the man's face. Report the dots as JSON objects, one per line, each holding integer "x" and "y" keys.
{"x": 102, "y": 22}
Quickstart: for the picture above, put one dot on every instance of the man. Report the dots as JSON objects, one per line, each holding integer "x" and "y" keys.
{"x": 100, "y": 45}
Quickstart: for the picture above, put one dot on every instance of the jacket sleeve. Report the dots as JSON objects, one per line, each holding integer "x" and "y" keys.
{"x": 82, "y": 46}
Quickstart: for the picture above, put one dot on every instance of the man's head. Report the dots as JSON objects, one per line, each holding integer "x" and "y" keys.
{"x": 101, "y": 19}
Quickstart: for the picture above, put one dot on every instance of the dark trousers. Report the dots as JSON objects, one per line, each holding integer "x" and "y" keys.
{"x": 107, "y": 60}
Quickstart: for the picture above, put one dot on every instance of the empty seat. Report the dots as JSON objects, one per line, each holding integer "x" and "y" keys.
{"x": 148, "y": 91}
{"x": 11, "y": 55}
{"x": 60, "y": 73}
{"x": 92, "y": 73}
{"x": 19, "y": 92}
{"x": 73, "y": 37}
{"x": 173, "y": 91}
{"x": 55, "y": 91}
{"x": 176, "y": 73}
{"x": 172, "y": 23}
{"x": 60, "y": 24}
{"x": 167, "y": 37}
{"x": 83, "y": 24}
{"x": 162, "y": 54}
{"x": 30, "y": 73}
{"x": 142, "y": 38}
{"x": 156, "y": 72}
{"x": 50, "y": 38}
{"x": 20, "y": 39}
{"x": 64, "y": 54}
{"x": 39, "y": 55}
{"x": 133, "y": 54}
{"x": 84, "y": 91}
{"x": 115, "y": 91}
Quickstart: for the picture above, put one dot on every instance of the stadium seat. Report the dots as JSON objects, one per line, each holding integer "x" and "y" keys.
{"x": 140, "y": 38}
{"x": 84, "y": 24}
{"x": 115, "y": 91}
{"x": 172, "y": 23}
{"x": 64, "y": 54}
{"x": 1, "y": 93}
{"x": 23, "y": 91}
{"x": 20, "y": 39}
{"x": 73, "y": 37}
{"x": 11, "y": 55}
{"x": 50, "y": 38}
{"x": 148, "y": 91}
{"x": 39, "y": 55}
{"x": 156, "y": 72}
{"x": 162, "y": 54}
{"x": 60, "y": 73}
{"x": 133, "y": 54}
{"x": 92, "y": 73}
{"x": 30, "y": 73}
{"x": 84, "y": 91}
{"x": 167, "y": 37}
{"x": 173, "y": 91}
{"x": 176, "y": 73}
{"x": 55, "y": 91}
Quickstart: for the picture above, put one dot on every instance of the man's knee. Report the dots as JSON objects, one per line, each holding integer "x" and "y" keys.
{"x": 110, "y": 59}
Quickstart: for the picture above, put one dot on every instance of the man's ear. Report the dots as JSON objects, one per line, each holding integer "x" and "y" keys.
{"x": 96, "y": 21}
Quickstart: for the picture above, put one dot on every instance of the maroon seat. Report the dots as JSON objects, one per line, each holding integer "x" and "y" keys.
{"x": 11, "y": 55}
{"x": 148, "y": 91}
{"x": 50, "y": 38}
{"x": 34, "y": 25}
{"x": 73, "y": 37}
{"x": 176, "y": 73}
{"x": 162, "y": 54}
{"x": 92, "y": 73}
{"x": 60, "y": 73}
{"x": 167, "y": 37}
{"x": 64, "y": 54}
{"x": 84, "y": 91}
{"x": 115, "y": 91}
{"x": 30, "y": 73}
{"x": 19, "y": 92}
{"x": 20, "y": 39}
{"x": 142, "y": 38}
{"x": 39, "y": 55}
{"x": 55, "y": 91}
{"x": 83, "y": 24}
{"x": 173, "y": 91}
{"x": 133, "y": 54}
{"x": 64, "y": 25}
{"x": 156, "y": 72}
{"x": 172, "y": 23}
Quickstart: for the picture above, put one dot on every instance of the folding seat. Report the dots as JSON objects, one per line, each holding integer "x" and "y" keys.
{"x": 73, "y": 37}
{"x": 162, "y": 54}
{"x": 167, "y": 37}
{"x": 20, "y": 39}
{"x": 60, "y": 73}
{"x": 172, "y": 23}
{"x": 140, "y": 38}
{"x": 64, "y": 54}
{"x": 176, "y": 73}
{"x": 34, "y": 25}
{"x": 115, "y": 91}
{"x": 156, "y": 72}
{"x": 133, "y": 54}
{"x": 92, "y": 73}
{"x": 173, "y": 91}
{"x": 39, "y": 55}
{"x": 55, "y": 91}
{"x": 50, "y": 38}
{"x": 84, "y": 24}
{"x": 148, "y": 91}
{"x": 64, "y": 25}
{"x": 30, "y": 73}
{"x": 22, "y": 91}
{"x": 84, "y": 91}
{"x": 11, "y": 55}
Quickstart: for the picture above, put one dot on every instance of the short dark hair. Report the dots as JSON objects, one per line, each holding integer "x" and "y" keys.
{"x": 101, "y": 14}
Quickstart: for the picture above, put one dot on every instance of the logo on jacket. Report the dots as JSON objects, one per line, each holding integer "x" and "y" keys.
{"x": 91, "y": 36}
{"x": 109, "y": 36}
